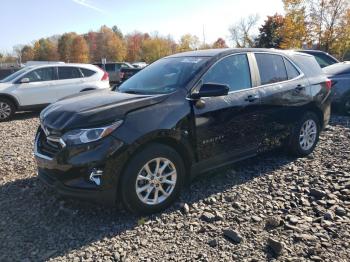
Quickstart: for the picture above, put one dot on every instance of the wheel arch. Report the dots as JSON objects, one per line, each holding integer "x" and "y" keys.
{"x": 11, "y": 98}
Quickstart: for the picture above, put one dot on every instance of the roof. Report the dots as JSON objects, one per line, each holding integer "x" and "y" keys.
{"x": 227, "y": 51}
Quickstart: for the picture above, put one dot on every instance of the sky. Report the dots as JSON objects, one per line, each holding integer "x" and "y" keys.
{"x": 23, "y": 21}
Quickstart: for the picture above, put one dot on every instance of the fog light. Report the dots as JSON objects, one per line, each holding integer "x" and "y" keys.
{"x": 95, "y": 176}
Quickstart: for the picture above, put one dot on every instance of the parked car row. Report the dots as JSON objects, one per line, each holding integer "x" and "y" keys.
{"x": 37, "y": 86}
{"x": 180, "y": 116}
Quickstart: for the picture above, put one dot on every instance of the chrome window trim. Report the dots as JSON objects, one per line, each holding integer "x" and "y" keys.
{"x": 249, "y": 53}
{"x": 301, "y": 74}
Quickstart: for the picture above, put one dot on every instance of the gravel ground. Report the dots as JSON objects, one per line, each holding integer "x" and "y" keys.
{"x": 272, "y": 207}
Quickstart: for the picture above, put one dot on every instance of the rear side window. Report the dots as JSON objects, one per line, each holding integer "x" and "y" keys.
{"x": 308, "y": 65}
{"x": 271, "y": 68}
{"x": 68, "y": 73}
{"x": 232, "y": 71}
{"x": 292, "y": 72}
{"x": 40, "y": 75}
{"x": 87, "y": 72}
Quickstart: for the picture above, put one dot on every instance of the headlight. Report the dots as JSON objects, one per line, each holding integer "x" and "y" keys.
{"x": 82, "y": 136}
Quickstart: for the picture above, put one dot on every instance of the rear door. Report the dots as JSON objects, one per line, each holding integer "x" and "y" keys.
{"x": 228, "y": 127}
{"x": 70, "y": 81}
{"x": 283, "y": 89}
{"x": 39, "y": 90}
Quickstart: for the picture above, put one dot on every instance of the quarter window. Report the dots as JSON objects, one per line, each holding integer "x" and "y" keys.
{"x": 292, "y": 72}
{"x": 42, "y": 74}
{"x": 232, "y": 71}
{"x": 68, "y": 73}
{"x": 87, "y": 72}
{"x": 271, "y": 68}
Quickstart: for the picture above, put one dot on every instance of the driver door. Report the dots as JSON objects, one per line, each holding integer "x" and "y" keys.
{"x": 228, "y": 127}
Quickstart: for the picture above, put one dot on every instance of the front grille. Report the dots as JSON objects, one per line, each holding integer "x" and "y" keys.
{"x": 46, "y": 146}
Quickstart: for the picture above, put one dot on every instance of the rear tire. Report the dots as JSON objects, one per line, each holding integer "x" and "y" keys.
{"x": 152, "y": 179}
{"x": 305, "y": 135}
{"x": 7, "y": 109}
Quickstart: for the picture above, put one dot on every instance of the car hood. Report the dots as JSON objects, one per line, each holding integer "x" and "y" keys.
{"x": 93, "y": 109}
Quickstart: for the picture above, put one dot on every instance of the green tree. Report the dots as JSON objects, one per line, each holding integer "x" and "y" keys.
{"x": 270, "y": 33}
{"x": 117, "y": 31}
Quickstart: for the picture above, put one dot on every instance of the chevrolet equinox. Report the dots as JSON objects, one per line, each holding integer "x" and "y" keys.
{"x": 182, "y": 115}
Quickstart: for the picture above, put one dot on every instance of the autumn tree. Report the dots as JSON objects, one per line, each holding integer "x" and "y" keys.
{"x": 80, "y": 50}
{"x": 27, "y": 53}
{"x": 65, "y": 44}
{"x": 241, "y": 32}
{"x": 326, "y": 18}
{"x": 109, "y": 45}
{"x": 45, "y": 50}
{"x": 188, "y": 42}
{"x": 156, "y": 47}
{"x": 294, "y": 30}
{"x": 219, "y": 43}
{"x": 270, "y": 33}
{"x": 134, "y": 43}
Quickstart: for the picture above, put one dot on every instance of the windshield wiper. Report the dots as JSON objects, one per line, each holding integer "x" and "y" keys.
{"x": 132, "y": 92}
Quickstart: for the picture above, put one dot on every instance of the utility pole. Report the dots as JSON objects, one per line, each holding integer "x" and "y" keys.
{"x": 203, "y": 36}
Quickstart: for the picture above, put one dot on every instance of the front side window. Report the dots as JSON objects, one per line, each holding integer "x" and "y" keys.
{"x": 271, "y": 68}
{"x": 68, "y": 73}
{"x": 40, "y": 75}
{"x": 232, "y": 71}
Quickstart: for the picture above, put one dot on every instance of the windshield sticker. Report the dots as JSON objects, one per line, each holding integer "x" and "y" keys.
{"x": 191, "y": 60}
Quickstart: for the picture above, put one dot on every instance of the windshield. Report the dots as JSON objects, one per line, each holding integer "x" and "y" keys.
{"x": 164, "y": 76}
{"x": 15, "y": 74}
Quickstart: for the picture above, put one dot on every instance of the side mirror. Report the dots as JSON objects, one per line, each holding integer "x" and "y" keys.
{"x": 24, "y": 80}
{"x": 211, "y": 90}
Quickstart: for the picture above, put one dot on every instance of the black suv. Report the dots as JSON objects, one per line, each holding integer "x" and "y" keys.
{"x": 180, "y": 116}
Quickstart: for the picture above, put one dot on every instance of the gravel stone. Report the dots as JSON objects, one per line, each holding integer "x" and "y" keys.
{"x": 37, "y": 224}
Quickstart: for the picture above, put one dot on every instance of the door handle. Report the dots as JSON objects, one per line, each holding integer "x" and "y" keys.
{"x": 251, "y": 98}
{"x": 300, "y": 87}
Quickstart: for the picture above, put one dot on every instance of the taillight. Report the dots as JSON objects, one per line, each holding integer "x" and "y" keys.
{"x": 329, "y": 84}
{"x": 105, "y": 76}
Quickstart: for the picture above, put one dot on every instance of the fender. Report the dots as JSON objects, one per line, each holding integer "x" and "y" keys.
{"x": 12, "y": 98}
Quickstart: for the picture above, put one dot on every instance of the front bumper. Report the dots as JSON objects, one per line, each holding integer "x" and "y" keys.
{"x": 69, "y": 169}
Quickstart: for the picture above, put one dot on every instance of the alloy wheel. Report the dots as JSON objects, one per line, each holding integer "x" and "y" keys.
{"x": 308, "y": 132}
{"x": 5, "y": 110}
{"x": 156, "y": 181}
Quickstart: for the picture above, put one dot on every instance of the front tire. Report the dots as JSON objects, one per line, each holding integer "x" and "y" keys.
{"x": 7, "y": 109}
{"x": 305, "y": 135}
{"x": 152, "y": 179}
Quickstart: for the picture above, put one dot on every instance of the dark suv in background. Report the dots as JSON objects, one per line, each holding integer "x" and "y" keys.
{"x": 182, "y": 115}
